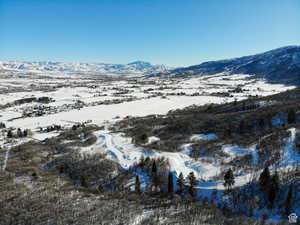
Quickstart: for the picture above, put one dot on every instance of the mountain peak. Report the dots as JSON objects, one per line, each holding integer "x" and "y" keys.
{"x": 142, "y": 65}
{"x": 138, "y": 62}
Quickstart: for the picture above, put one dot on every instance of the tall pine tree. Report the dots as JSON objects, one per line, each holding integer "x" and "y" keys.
{"x": 19, "y": 132}
{"x": 180, "y": 182}
{"x": 154, "y": 176}
{"x": 264, "y": 180}
{"x": 154, "y": 167}
{"x": 274, "y": 189}
{"x": 229, "y": 179}
{"x": 137, "y": 184}
{"x": 9, "y": 134}
{"x": 193, "y": 183}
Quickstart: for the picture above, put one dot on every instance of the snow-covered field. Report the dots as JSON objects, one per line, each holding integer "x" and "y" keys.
{"x": 79, "y": 99}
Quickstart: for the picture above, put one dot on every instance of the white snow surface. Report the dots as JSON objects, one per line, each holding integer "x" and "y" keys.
{"x": 152, "y": 139}
{"x": 78, "y": 67}
{"x": 197, "y": 137}
{"x": 291, "y": 155}
{"x": 120, "y": 149}
{"x": 108, "y": 112}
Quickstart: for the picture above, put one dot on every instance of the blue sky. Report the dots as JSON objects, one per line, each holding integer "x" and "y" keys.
{"x": 172, "y": 32}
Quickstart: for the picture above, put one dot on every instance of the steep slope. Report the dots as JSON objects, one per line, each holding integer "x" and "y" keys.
{"x": 279, "y": 65}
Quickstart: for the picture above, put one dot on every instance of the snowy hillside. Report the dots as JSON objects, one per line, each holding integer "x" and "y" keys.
{"x": 279, "y": 65}
{"x": 137, "y": 67}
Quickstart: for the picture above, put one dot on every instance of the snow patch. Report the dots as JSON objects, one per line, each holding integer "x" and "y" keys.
{"x": 291, "y": 155}
{"x": 197, "y": 137}
{"x": 152, "y": 140}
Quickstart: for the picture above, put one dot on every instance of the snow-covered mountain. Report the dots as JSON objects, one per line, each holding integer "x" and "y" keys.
{"x": 137, "y": 67}
{"x": 279, "y": 65}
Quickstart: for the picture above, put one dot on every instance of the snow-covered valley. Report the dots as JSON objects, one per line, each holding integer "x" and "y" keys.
{"x": 44, "y": 106}
{"x": 132, "y": 112}
{"x": 76, "y": 100}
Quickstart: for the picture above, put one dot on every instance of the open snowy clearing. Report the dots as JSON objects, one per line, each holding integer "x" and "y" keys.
{"x": 98, "y": 114}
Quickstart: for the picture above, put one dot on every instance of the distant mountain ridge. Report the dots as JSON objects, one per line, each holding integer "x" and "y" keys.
{"x": 279, "y": 65}
{"x": 137, "y": 67}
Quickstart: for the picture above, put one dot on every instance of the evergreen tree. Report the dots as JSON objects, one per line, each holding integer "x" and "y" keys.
{"x": 137, "y": 184}
{"x": 144, "y": 137}
{"x": 147, "y": 161}
{"x": 9, "y": 134}
{"x": 19, "y": 132}
{"x": 180, "y": 182}
{"x": 154, "y": 167}
{"x": 271, "y": 196}
{"x": 291, "y": 116}
{"x": 34, "y": 175}
{"x": 25, "y": 133}
{"x": 193, "y": 183}
{"x": 142, "y": 162}
{"x": 235, "y": 102}
{"x": 289, "y": 200}
{"x": 170, "y": 183}
{"x": 274, "y": 189}
{"x": 154, "y": 176}
{"x": 264, "y": 180}
{"x": 229, "y": 179}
